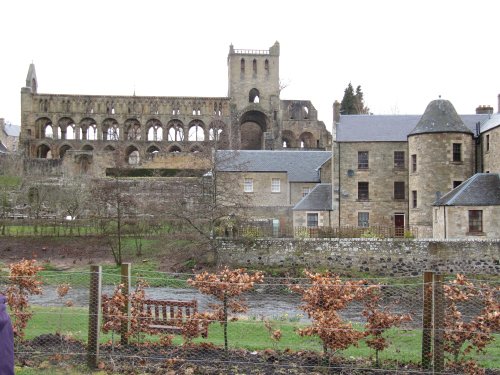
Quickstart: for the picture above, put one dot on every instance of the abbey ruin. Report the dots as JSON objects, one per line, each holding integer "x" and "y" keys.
{"x": 153, "y": 132}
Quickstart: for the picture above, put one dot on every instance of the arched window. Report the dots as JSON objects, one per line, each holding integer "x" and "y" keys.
{"x": 91, "y": 133}
{"x": 196, "y": 133}
{"x": 49, "y": 132}
{"x": 242, "y": 65}
{"x": 254, "y": 66}
{"x": 266, "y": 66}
{"x": 253, "y": 96}
{"x": 175, "y": 132}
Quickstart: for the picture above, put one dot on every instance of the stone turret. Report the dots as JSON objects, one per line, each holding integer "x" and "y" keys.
{"x": 441, "y": 155}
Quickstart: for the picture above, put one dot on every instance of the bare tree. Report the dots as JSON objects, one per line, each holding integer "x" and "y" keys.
{"x": 214, "y": 205}
{"x": 113, "y": 204}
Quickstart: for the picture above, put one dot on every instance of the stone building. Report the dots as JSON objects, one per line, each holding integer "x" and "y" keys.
{"x": 470, "y": 210}
{"x": 9, "y": 137}
{"x": 251, "y": 117}
{"x": 389, "y": 170}
{"x": 273, "y": 182}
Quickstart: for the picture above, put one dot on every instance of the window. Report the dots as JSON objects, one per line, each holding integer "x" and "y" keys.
{"x": 363, "y": 192}
{"x": 487, "y": 142}
{"x": 475, "y": 221}
{"x": 457, "y": 152}
{"x": 362, "y": 159}
{"x": 414, "y": 199}
{"x": 414, "y": 163}
{"x": 248, "y": 185}
{"x": 305, "y": 191}
{"x": 399, "y": 159}
{"x": 363, "y": 219}
{"x": 456, "y": 184}
{"x": 399, "y": 190}
{"x": 312, "y": 220}
{"x": 242, "y": 66}
{"x": 275, "y": 185}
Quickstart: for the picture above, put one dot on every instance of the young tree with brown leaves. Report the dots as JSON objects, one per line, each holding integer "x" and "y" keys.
{"x": 462, "y": 337}
{"x": 378, "y": 320}
{"x": 322, "y": 299}
{"x": 227, "y": 287}
{"x": 23, "y": 282}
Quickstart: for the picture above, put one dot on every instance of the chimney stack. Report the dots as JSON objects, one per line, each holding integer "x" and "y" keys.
{"x": 484, "y": 109}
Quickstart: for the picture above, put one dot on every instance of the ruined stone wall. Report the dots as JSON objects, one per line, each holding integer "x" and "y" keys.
{"x": 376, "y": 256}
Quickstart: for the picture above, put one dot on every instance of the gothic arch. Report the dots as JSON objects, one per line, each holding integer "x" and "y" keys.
{"x": 307, "y": 140}
{"x": 43, "y": 151}
{"x": 63, "y": 149}
{"x": 109, "y": 148}
{"x": 217, "y": 132}
{"x": 196, "y": 132}
{"x": 254, "y": 96}
{"x": 174, "y": 149}
{"x": 132, "y": 155}
{"x": 196, "y": 148}
{"x": 253, "y": 125}
{"x": 132, "y": 130}
{"x": 88, "y": 129}
{"x": 175, "y": 131}
{"x": 87, "y": 147}
{"x": 289, "y": 139}
{"x": 40, "y": 126}
{"x": 67, "y": 128}
{"x": 110, "y": 130}
{"x": 154, "y": 130}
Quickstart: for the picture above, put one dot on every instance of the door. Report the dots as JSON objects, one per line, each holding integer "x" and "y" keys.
{"x": 399, "y": 225}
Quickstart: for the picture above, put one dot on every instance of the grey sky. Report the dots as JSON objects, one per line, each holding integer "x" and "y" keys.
{"x": 403, "y": 53}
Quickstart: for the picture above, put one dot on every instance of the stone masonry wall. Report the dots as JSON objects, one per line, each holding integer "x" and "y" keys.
{"x": 376, "y": 256}
{"x": 491, "y": 156}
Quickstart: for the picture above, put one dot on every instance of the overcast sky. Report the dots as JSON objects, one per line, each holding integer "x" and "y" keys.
{"x": 402, "y": 53}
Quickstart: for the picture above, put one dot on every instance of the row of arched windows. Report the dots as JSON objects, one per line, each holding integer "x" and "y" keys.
{"x": 132, "y": 154}
{"x": 110, "y": 130}
{"x": 254, "y": 66}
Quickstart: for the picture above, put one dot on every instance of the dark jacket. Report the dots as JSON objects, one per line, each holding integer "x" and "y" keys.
{"x": 6, "y": 341}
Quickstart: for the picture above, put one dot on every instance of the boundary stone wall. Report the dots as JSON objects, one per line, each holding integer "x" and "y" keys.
{"x": 387, "y": 257}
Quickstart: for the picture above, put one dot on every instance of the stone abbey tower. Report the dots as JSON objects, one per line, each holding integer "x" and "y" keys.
{"x": 151, "y": 132}
{"x": 441, "y": 155}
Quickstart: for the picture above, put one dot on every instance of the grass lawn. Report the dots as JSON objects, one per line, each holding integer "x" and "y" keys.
{"x": 252, "y": 335}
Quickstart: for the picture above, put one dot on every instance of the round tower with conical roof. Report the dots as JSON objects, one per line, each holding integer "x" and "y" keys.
{"x": 441, "y": 156}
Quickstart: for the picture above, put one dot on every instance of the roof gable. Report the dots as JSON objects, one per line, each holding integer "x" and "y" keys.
{"x": 482, "y": 189}
{"x": 319, "y": 199}
{"x": 300, "y": 166}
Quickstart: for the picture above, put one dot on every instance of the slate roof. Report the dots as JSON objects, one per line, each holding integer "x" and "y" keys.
{"x": 301, "y": 166}
{"x": 492, "y": 122}
{"x": 319, "y": 199}
{"x": 388, "y": 128}
{"x": 440, "y": 117}
{"x": 482, "y": 189}
{"x": 12, "y": 130}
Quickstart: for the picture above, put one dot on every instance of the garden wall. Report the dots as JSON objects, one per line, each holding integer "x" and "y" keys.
{"x": 394, "y": 257}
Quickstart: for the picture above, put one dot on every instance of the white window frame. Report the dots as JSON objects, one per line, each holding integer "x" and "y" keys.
{"x": 367, "y": 221}
{"x": 248, "y": 185}
{"x": 275, "y": 185}
{"x": 317, "y": 219}
{"x": 305, "y": 191}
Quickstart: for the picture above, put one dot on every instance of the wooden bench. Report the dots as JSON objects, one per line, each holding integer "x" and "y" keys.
{"x": 167, "y": 316}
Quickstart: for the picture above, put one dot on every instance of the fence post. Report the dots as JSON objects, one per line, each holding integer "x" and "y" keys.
{"x": 94, "y": 316}
{"x": 125, "y": 280}
{"x": 427, "y": 321}
{"x": 439, "y": 311}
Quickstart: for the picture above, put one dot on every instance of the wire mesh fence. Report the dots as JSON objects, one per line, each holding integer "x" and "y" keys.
{"x": 232, "y": 321}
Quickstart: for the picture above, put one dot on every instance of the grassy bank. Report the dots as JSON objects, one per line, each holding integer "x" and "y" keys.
{"x": 250, "y": 334}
